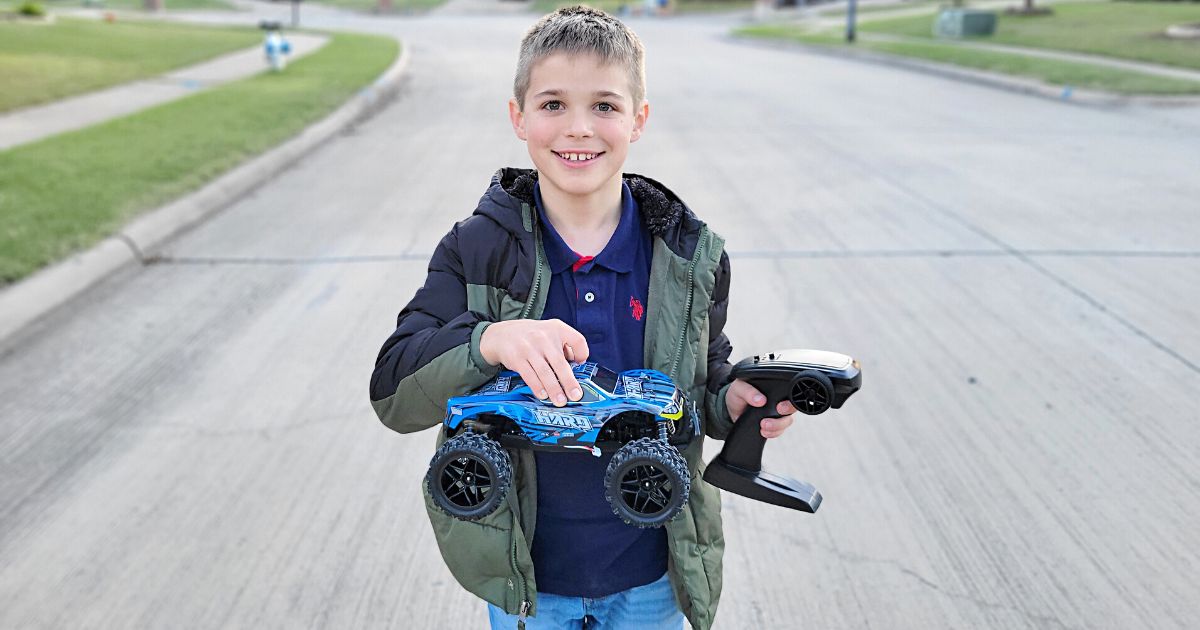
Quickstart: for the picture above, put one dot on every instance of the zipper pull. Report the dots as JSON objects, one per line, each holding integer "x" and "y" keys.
{"x": 521, "y": 615}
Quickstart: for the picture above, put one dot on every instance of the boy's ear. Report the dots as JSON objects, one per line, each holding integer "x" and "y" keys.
{"x": 639, "y": 120}
{"x": 517, "y": 117}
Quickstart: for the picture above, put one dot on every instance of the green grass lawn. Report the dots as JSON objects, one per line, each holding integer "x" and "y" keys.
{"x": 1130, "y": 30}
{"x": 126, "y": 5}
{"x": 41, "y": 63}
{"x": 1047, "y": 70}
{"x": 677, "y": 6}
{"x": 398, "y": 6}
{"x": 169, "y": 5}
{"x": 873, "y": 8}
{"x": 66, "y": 193}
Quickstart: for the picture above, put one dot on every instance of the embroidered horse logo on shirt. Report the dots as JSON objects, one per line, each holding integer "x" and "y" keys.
{"x": 636, "y": 307}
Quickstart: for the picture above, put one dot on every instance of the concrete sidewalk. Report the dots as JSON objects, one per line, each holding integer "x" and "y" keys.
{"x": 35, "y": 296}
{"x": 834, "y": 13}
{"x": 30, "y": 124}
{"x": 1044, "y": 53}
{"x": 820, "y": 19}
{"x": 1013, "y": 82}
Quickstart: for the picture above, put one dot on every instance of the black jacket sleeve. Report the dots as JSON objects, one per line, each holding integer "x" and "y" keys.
{"x": 433, "y": 353}
{"x": 719, "y": 349}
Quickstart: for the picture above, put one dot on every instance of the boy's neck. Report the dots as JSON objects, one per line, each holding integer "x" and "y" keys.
{"x": 585, "y": 223}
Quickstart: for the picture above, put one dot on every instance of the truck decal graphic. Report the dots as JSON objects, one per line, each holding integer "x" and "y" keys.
{"x": 560, "y": 419}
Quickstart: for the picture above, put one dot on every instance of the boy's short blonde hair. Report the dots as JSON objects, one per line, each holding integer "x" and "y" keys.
{"x": 580, "y": 30}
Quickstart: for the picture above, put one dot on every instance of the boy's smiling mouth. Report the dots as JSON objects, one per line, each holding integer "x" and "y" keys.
{"x": 577, "y": 158}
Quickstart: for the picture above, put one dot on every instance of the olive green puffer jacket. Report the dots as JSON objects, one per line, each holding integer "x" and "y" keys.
{"x": 492, "y": 267}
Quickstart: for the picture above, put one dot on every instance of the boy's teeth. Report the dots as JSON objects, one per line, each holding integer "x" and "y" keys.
{"x": 575, "y": 157}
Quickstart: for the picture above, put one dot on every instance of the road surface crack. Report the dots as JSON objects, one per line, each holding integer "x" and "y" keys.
{"x": 1038, "y": 620}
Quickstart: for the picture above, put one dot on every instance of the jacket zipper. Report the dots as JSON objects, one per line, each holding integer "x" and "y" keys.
{"x": 537, "y": 274}
{"x": 687, "y": 310}
{"x": 523, "y": 592}
{"x": 521, "y": 616}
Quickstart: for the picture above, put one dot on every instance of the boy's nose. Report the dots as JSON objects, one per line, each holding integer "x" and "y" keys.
{"x": 580, "y": 127}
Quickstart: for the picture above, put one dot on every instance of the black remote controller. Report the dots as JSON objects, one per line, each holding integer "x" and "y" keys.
{"x": 814, "y": 381}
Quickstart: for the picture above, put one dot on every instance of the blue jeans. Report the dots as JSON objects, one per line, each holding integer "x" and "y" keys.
{"x": 649, "y": 607}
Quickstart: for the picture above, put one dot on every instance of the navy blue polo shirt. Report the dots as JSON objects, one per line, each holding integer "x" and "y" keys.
{"x": 580, "y": 548}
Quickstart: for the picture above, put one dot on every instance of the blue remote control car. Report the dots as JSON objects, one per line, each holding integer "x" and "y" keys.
{"x": 639, "y": 415}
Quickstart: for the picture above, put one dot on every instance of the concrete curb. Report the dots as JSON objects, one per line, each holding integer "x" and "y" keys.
{"x": 1029, "y": 87}
{"x": 49, "y": 288}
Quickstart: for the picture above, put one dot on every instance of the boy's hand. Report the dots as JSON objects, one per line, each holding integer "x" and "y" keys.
{"x": 539, "y": 351}
{"x": 742, "y": 394}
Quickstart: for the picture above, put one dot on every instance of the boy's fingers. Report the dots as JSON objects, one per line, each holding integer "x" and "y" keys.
{"x": 738, "y": 398}
{"x": 748, "y": 393}
{"x": 577, "y": 342}
{"x": 531, "y": 378}
{"x": 774, "y": 427}
{"x": 566, "y": 377}
{"x": 550, "y": 381}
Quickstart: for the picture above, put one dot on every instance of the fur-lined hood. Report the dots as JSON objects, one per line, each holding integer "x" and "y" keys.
{"x": 661, "y": 209}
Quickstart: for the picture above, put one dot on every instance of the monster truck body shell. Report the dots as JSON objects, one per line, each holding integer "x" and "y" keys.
{"x": 614, "y": 410}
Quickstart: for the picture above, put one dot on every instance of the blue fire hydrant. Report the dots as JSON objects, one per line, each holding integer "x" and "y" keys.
{"x": 276, "y": 49}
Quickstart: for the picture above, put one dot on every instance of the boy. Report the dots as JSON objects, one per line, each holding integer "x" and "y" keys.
{"x": 570, "y": 262}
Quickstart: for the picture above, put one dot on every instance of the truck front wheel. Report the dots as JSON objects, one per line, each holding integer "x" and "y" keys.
{"x": 469, "y": 476}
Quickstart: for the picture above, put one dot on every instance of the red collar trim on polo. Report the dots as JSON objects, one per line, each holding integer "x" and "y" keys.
{"x": 583, "y": 260}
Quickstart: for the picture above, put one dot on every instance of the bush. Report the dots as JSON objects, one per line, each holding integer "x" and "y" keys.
{"x": 31, "y": 9}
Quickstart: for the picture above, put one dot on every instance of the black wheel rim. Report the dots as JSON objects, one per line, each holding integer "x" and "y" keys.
{"x": 646, "y": 489}
{"x": 809, "y": 395}
{"x": 466, "y": 481}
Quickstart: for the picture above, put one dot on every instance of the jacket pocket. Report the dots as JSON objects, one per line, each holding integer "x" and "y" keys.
{"x": 488, "y": 556}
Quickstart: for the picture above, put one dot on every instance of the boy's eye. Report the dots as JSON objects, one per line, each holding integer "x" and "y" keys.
{"x": 605, "y": 107}
{"x": 552, "y": 105}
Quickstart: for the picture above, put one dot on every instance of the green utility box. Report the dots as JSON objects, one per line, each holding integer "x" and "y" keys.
{"x": 964, "y": 23}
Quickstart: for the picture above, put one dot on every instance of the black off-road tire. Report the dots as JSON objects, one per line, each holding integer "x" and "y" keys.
{"x": 469, "y": 476}
{"x": 811, "y": 393}
{"x": 647, "y": 483}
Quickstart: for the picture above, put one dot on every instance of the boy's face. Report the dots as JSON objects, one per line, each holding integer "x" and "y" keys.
{"x": 575, "y": 105}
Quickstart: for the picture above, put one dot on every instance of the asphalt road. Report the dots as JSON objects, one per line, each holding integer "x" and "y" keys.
{"x": 190, "y": 445}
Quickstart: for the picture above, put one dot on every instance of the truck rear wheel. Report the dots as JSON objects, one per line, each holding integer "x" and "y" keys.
{"x": 647, "y": 483}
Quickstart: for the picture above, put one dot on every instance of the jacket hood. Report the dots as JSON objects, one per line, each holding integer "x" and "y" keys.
{"x": 661, "y": 209}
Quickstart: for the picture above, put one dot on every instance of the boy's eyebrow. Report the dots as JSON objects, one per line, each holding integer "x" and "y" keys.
{"x": 597, "y": 93}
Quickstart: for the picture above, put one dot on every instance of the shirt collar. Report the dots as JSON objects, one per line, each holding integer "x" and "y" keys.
{"x": 617, "y": 255}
